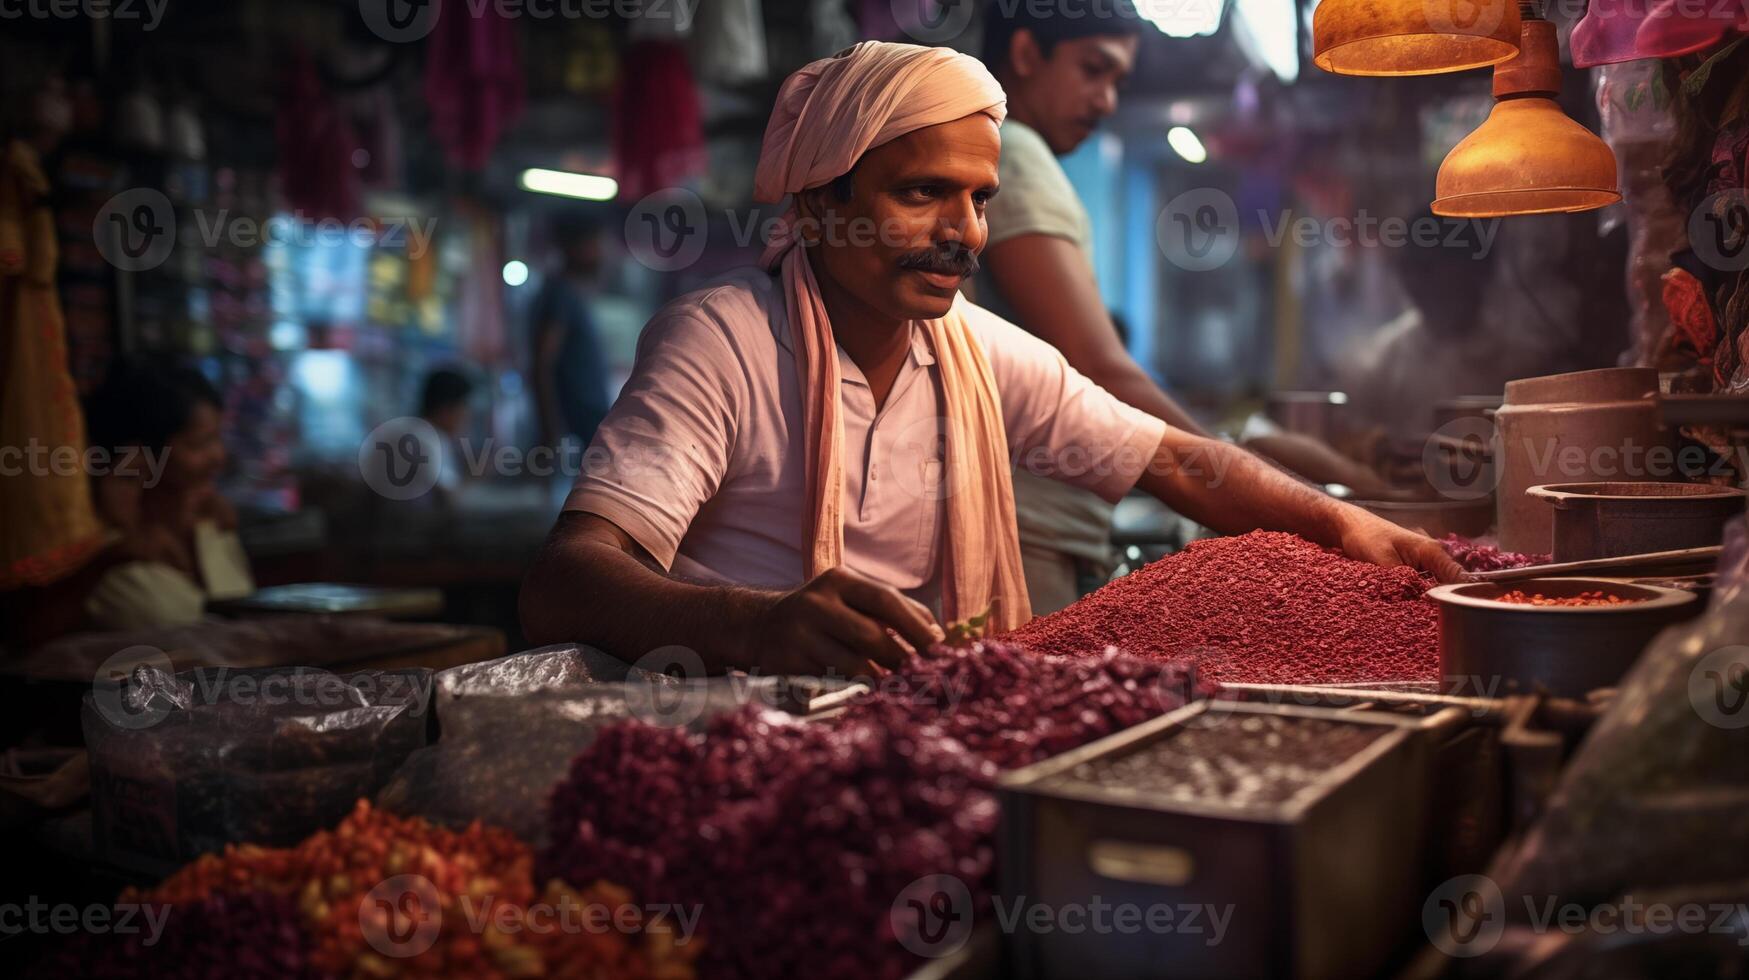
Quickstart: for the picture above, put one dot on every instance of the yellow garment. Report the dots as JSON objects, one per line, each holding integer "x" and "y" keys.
{"x": 47, "y": 525}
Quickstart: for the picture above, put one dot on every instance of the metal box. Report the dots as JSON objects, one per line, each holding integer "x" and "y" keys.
{"x": 1328, "y": 883}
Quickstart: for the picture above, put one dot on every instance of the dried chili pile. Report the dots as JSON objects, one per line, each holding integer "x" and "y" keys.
{"x": 796, "y": 840}
{"x": 1265, "y": 608}
{"x": 1477, "y": 557}
{"x": 1519, "y": 597}
{"x": 480, "y": 879}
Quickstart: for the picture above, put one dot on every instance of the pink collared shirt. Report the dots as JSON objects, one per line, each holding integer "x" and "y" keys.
{"x": 700, "y": 459}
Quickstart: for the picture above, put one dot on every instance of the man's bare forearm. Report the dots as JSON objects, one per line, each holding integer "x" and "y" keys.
{"x": 586, "y": 586}
{"x": 1232, "y": 491}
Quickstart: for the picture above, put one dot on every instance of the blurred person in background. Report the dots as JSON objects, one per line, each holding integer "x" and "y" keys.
{"x": 569, "y": 370}
{"x": 1432, "y": 351}
{"x": 160, "y": 422}
{"x": 443, "y": 403}
{"x": 1061, "y": 71}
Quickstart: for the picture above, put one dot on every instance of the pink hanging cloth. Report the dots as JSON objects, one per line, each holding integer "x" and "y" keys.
{"x": 473, "y": 82}
{"x": 658, "y": 130}
{"x": 316, "y": 143}
{"x": 1625, "y": 30}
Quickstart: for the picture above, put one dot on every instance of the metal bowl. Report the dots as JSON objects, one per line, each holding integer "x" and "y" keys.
{"x": 1603, "y": 520}
{"x": 1489, "y": 648}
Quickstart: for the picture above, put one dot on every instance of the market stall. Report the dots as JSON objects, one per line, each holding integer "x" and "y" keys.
{"x": 520, "y": 525}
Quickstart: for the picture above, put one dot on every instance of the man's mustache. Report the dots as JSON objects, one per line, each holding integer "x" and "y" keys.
{"x": 948, "y": 259}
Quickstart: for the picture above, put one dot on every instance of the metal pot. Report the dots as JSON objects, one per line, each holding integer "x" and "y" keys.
{"x": 1489, "y": 648}
{"x": 1589, "y": 425}
{"x": 1603, "y": 520}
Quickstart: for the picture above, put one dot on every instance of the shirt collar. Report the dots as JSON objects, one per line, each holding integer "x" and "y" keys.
{"x": 921, "y": 355}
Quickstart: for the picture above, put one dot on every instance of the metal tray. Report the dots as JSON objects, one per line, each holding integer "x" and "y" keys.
{"x": 1326, "y": 884}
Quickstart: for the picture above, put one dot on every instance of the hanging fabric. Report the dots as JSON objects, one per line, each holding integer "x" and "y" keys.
{"x": 473, "y": 84}
{"x": 48, "y": 527}
{"x": 658, "y": 130}
{"x": 317, "y": 174}
{"x": 729, "y": 42}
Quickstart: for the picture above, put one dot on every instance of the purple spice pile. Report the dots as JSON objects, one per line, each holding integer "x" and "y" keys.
{"x": 1477, "y": 557}
{"x": 249, "y": 936}
{"x": 796, "y": 839}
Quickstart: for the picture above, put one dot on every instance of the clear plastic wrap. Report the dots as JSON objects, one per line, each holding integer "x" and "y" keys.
{"x": 509, "y": 728}
{"x": 1657, "y": 797}
{"x": 182, "y": 764}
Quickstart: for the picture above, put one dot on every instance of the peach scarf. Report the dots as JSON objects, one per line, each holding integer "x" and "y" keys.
{"x": 828, "y": 115}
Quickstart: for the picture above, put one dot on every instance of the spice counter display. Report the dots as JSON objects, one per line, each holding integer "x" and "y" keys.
{"x": 796, "y": 835}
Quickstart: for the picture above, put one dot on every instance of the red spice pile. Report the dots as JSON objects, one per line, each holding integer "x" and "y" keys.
{"x": 1518, "y": 597}
{"x": 1258, "y": 608}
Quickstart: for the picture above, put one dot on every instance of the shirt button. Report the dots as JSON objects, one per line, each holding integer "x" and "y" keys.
{"x": 874, "y": 472}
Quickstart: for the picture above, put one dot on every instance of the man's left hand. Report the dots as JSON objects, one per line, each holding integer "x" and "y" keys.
{"x": 1367, "y": 537}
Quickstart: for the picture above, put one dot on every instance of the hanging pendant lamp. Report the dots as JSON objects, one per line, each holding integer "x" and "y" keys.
{"x": 1528, "y": 157}
{"x": 1412, "y": 37}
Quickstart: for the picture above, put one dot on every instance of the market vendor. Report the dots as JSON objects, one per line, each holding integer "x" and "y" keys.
{"x": 811, "y": 462}
{"x": 1061, "y": 72}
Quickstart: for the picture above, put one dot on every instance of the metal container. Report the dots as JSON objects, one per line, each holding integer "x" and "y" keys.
{"x": 1325, "y": 884}
{"x": 1320, "y": 414}
{"x": 1470, "y": 518}
{"x": 1603, "y": 520}
{"x": 1489, "y": 648}
{"x": 1589, "y": 425}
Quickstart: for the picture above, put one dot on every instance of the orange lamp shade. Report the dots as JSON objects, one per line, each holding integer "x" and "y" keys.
{"x": 1412, "y": 37}
{"x": 1528, "y": 157}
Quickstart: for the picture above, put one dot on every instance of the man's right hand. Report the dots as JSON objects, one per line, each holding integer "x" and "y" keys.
{"x": 837, "y": 623}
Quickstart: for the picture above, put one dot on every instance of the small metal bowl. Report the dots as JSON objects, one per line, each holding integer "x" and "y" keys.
{"x": 1489, "y": 648}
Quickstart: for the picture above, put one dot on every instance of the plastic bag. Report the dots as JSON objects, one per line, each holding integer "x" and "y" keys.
{"x": 182, "y": 764}
{"x": 1658, "y": 795}
{"x": 509, "y": 728}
